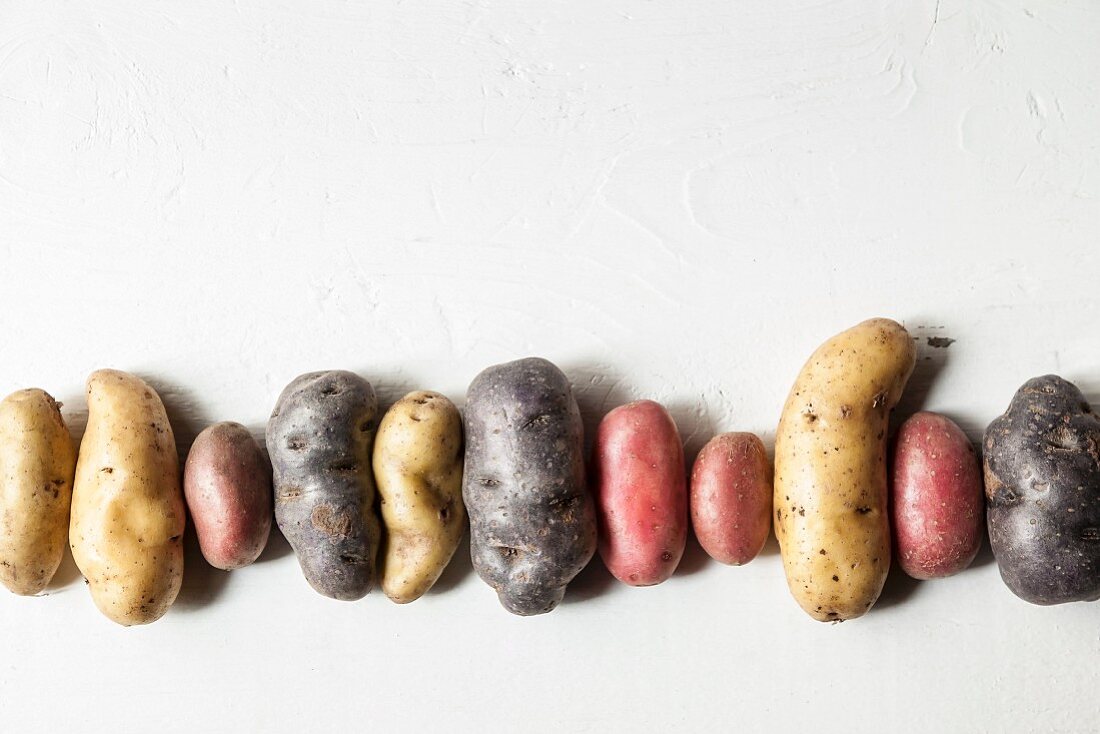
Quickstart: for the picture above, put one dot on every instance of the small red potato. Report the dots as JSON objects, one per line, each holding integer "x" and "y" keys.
{"x": 731, "y": 497}
{"x": 227, "y": 484}
{"x": 936, "y": 496}
{"x": 641, "y": 493}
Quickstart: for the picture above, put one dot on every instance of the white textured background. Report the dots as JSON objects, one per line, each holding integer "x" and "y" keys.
{"x": 671, "y": 199}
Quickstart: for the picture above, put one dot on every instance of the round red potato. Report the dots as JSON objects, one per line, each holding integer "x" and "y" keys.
{"x": 641, "y": 493}
{"x": 731, "y": 497}
{"x": 227, "y": 484}
{"x": 936, "y": 496}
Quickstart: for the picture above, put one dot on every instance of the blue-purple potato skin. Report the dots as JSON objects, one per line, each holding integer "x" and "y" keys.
{"x": 227, "y": 485}
{"x": 532, "y": 519}
{"x": 1042, "y": 484}
{"x": 319, "y": 438}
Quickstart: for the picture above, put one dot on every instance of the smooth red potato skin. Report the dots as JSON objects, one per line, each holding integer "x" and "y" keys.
{"x": 936, "y": 495}
{"x": 731, "y": 497}
{"x": 227, "y": 484}
{"x": 641, "y": 493}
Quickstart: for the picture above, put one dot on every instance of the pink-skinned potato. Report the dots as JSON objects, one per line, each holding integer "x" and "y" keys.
{"x": 937, "y": 497}
{"x": 731, "y": 497}
{"x": 641, "y": 493}
{"x": 227, "y": 484}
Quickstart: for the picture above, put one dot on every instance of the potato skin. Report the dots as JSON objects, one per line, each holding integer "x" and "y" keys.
{"x": 1042, "y": 484}
{"x": 227, "y": 485}
{"x": 37, "y": 462}
{"x": 639, "y": 481}
{"x": 319, "y": 439}
{"x": 532, "y": 519}
{"x": 731, "y": 497}
{"x": 830, "y": 494}
{"x": 128, "y": 515}
{"x": 936, "y": 501}
{"x": 418, "y": 470}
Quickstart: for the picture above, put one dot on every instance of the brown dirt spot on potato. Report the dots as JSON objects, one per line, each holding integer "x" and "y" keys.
{"x": 331, "y": 521}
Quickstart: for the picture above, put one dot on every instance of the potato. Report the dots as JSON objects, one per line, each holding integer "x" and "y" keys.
{"x": 37, "y": 461}
{"x": 227, "y": 485}
{"x": 319, "y": 439}
{"x": 936, "y": 500}
{"x": 532, "y": 520}
{"x": 1042, "y": 484}
{"x": 418, "y": 469}
{"x": 830, "y": 469}
{"x": 731, "y": 497}
{"x": 128, "y": 516}
{"x": 641, "y": 494}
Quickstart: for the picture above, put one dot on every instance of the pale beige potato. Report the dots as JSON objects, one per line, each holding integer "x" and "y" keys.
{"x": 128, "y": 516}
{"x": 37, "y": 461}
{"x": 418, "y": 470}
{"x": 830, "y": 469}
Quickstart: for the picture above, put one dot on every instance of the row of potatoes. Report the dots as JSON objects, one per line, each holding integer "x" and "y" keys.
{"x": 363, "y": 500}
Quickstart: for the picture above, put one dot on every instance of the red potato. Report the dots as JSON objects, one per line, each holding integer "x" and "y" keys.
{"x": 731, "y": 497}
{"x": 641, "y": 493}
{"x": 936, "y": 496}
{"x": 227, "y": 484}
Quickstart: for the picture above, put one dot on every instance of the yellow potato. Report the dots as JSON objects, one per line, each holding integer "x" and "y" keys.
{"x": 128, "y": 516}
{"x": 418, "y": 470}
{"x": 37, "y": 460}
{"x": 830, "y": 469}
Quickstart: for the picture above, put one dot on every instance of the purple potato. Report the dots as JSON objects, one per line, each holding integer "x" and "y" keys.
{"x": 532, "y": 519}
{"x": 319, "y": 438}
{"x": 1042, "y": 485}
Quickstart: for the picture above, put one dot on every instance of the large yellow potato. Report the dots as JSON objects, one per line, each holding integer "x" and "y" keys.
{"x": 418, "y": 470}
{"x": 37, "y": 460}
{"x": 830, "y": 469}
{"x": 128, "y": 515}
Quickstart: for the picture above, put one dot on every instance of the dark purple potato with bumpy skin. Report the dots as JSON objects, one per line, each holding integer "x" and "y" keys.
{"x": 319, "y": 439}
{"x": 532, "y": 520}
{"x": 1042, "y": 484}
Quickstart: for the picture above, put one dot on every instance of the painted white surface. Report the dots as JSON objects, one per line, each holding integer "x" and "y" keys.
{"x": 675, "y": 200}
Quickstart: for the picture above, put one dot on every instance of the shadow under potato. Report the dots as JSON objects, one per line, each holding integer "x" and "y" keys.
{"x": 931, "y": 361}
{"x": 771, "y": 547}
{"x": 277, "y": 546}
{"x": 898, "y": 589}
{"x": 694, "y": 560}
{"x": 202, "y": 583}
{"x": 597, "y": 390}
{"x": 985, "y": 555}
{"x": 590, "y": 583}
{"x": 457, "y": 570}
{"x": 67, "y": 573}
{"x": 181, "y": 406}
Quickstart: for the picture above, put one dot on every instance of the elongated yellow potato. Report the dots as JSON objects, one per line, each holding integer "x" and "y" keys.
{"x": 830, "y": 469}
{"x": 418, "y": 470}
{"x": 128, "y": 514}
{"x": 37, "y": 460}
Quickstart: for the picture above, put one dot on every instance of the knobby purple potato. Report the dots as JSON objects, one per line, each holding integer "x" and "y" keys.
{"x": 319, "y": 440}
{"x": 1042, "y": 485}
{"x": 227, "y": 484}
{"x": 532, "y": 520}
